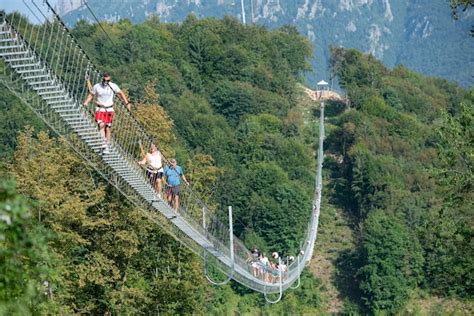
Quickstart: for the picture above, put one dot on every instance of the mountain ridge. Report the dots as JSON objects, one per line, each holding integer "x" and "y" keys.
{"x": 419, "y": 34}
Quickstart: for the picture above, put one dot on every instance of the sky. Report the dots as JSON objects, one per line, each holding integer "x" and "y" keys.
{"x": 19, "y": 5}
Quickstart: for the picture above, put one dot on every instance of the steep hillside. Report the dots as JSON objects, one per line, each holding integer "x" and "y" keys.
{"x": 396, "y": 223}
{"x": 401, "y": 168}
{"x": 219, "y": 96}
{"x": 419, "y": 34}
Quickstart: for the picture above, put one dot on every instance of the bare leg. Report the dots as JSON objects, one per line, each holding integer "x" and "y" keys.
{"x": 170, "y": 198}
{"x": 158, "y": 186}
{"x": 102, "y": 130}
{"x": 176, "y": 202}
{"x": 108, "y": 134}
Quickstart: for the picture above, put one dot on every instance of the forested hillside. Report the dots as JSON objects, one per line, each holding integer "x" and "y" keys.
{"x": 223, "y": 98}
{"x": 219, "y": 96}
{"x": 401, "y": 166}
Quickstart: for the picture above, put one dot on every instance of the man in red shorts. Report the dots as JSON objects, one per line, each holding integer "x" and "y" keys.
{"x": 104, "y": 99}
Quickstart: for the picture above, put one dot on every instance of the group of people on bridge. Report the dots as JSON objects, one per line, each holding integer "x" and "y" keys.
{"x": 169, "y": 175}
{"x": 158, "y": 174}
{"x": 266, "y": 269}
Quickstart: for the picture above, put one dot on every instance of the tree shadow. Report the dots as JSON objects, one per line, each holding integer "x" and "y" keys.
{"x": 332, "y": 108}
{"x": 345, "y": 279}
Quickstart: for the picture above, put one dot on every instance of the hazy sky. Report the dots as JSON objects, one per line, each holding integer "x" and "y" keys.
{"x": 19, "y": 5}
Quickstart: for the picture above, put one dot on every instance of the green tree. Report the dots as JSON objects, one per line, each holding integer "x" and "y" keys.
{"x": 456, "y": 153}
{"x": 14, "y": 116}
{"x": 100, "y": 237}
{"x": 455, "y": 4}
{"x": 26, "y": 263}
{"x": 233, "y": 100}
{"x": 449, "y": 234}
{"x": 155, "y": 120}
{"x": 391, "y": 262}
{"x": 206, "y": 79}
{"x": 269, "y": 197}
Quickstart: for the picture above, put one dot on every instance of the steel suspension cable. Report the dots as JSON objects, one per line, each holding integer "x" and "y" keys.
{"x": 98, "y": 22}
{"x": 127, "y": 143}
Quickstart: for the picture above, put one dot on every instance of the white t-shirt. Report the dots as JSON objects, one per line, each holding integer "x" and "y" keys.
{"x": 264, "y": 260}
{"x": 104, "y": 93}
{"x": 154, "y": 160}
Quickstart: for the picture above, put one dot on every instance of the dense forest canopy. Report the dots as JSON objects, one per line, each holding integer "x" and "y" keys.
{"x": 404, "y": 140}
{"x": 223, "y": 98}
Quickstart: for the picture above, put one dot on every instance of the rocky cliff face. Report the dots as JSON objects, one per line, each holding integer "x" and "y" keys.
{"x": 65, "y": 6}
{"x": 417, "y": 33}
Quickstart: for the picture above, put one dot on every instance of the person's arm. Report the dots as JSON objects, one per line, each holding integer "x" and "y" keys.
{"x": 143, "y": 161}
{"x": 165, "y": 177}
{"x": 123, "y": 97}
{"x": 88, "y": 99}
{"x": 184, "y": 179}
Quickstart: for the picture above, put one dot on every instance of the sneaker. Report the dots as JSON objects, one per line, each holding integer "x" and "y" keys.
{"x": 105, "y": 150}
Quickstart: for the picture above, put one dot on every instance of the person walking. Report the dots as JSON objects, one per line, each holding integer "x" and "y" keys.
{"x": 104, "y": 99}
{"x": 154, "y": 170}
{"x": 173, "y": 175}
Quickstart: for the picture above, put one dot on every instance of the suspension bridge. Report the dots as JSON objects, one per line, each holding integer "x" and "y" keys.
{"x": 45, "y": 67}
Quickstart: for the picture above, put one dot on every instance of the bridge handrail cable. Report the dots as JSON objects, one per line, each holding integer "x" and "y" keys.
{"x": 67, "y": 63}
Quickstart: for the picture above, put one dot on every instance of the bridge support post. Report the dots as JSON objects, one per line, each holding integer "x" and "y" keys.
{"x": 231, "y": 249}
{"x": 231, "y": 235}
{"x": 204, "y": 218}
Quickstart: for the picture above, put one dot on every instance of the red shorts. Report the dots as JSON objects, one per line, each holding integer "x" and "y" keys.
{"x": 104, "y": 117}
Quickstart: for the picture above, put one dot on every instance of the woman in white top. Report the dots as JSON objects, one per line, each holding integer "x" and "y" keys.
{"x": 265, "y": 265}
{"x": 154, "y": 170}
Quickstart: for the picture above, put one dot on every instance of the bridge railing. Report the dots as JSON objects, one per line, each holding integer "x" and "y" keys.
{"x": 63, "y": 56}
{"x": 53, "y": 44}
